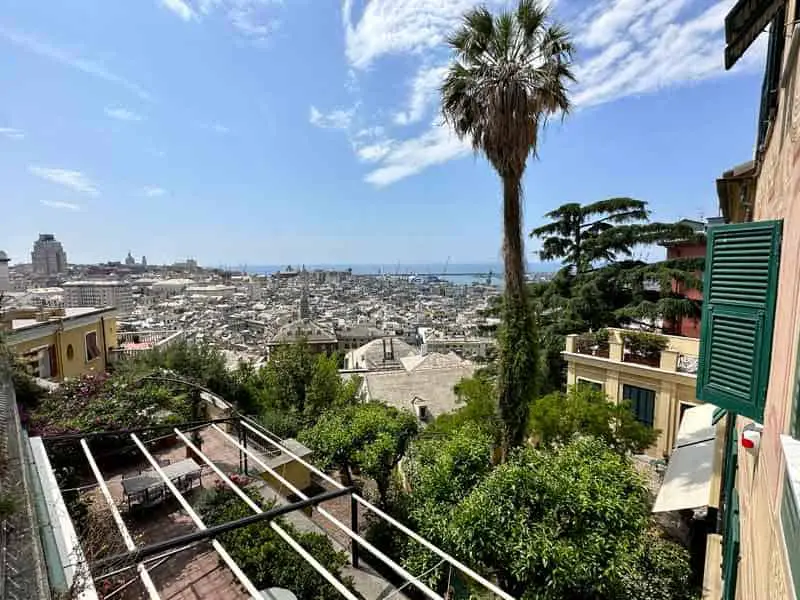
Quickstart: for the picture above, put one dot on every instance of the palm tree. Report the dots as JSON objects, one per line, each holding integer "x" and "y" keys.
{"x": 509, "y": 75}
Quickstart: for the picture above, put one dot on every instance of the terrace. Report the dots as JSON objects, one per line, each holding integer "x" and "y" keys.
{"x": 154, "y": 544}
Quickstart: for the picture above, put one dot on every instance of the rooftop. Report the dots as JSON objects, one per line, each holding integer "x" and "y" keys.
{"x": 69, "y": 314}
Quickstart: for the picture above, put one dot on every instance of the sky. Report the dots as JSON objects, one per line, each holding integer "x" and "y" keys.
{"x": 308, "y": 131}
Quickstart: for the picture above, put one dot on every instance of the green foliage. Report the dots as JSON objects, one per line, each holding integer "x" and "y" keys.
{"x": 478, "y": 396}
{"x": 659, "y": 570}
{"x": 371, "y": 436}
{"x": 285, "y": 395}
{"x": 556, "y": 419}
{"x": 198, "y": 363}
{"x": 265, "y": 557}
{"x": 567, "y": 523}
{"x": 600, "y": 283}
{"x": 518, "y": 371}
{"x": 105, "y": 403}
{"x": 9, "y": 505}
{"x": 592, "y": 341}
{"x": 644, "y": 345}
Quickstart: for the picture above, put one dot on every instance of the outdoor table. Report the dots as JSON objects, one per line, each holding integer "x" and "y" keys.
{"x": 148, "y": 488}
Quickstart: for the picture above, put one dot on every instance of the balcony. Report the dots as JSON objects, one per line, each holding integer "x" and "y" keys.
{"x": 672, "y": 353}
{"x": 131, "y": 343}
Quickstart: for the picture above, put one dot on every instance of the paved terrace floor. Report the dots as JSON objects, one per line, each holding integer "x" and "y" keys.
{"x": 198, "y": 573}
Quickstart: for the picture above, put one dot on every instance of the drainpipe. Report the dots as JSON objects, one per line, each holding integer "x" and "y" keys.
{"x": 59, "y": 350}
{"x": 105, "y": 346}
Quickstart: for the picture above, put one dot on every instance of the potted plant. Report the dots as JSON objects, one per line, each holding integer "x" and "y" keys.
{"x": 643, "y": 348}
{"x": 594, "y": 343}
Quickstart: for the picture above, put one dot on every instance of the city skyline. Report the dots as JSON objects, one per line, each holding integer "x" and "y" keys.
{"x": 203, "y": 141}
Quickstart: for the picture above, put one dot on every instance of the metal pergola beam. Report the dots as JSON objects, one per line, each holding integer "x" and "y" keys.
{"x": 330, "y": 577}
{"x": 156, "y": 548}
{"x": 243, "y": 579}
{"x": 152, "y": 592}
{"x": 344, "y": 528}
{"x": 413, "y": 535}
{"x": 94, "y": 434}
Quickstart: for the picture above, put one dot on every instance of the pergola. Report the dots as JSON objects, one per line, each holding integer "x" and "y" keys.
{"x": 139, "y": 557}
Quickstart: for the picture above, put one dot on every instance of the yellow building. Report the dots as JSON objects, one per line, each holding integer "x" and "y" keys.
{"x": 61, "y": 343}
{"x": 659, "y": 392}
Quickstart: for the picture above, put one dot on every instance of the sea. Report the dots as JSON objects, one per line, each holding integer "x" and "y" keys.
{"x": 458, "y": 273}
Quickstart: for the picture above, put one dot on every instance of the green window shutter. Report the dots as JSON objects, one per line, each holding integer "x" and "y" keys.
{"x": 738, "y": 312}
{"x": 730, "y": 550}
{"x": 790, "y": 523}
{"x": 643, "y": 403}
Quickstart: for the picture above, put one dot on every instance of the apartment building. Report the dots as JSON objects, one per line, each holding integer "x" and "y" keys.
{"x": 659, "y": 387}
{"x": 59, "y": 343}
{"x": 48, "y": 256}
{"x": 750, "y": 334}
{"x": 99, "y": 294}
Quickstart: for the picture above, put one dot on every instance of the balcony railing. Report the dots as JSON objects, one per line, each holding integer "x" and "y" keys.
{"x": 131, "y": 343}
{"x": 679, "y": 354}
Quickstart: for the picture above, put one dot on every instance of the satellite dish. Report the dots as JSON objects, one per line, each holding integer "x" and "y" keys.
{"x": 276, "y": 593}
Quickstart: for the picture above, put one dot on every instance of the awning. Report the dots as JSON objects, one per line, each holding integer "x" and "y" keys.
{"x": 687, "y": 482}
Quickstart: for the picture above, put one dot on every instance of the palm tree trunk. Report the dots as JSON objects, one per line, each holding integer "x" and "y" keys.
{"x": 518, "y": 343}
{"x": 513, "y": 253}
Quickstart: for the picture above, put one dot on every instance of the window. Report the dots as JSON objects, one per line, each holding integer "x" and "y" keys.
{"x": 70, "y": 352}
{"x": 643, "y": 403}
{"x": 592, "y": 385}
{"x": 738, "y": 313}
{"x": 790, "y": 523}
{"x": 772, "y": 77}
{"x": 92, "y": 351}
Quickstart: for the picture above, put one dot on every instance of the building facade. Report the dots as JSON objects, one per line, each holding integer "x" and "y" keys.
{"x": 659, "y": 392}
{"x": 5, "y": 279}
{"x": 48, "y": 256}
{"x": 750, "y": 340}
{"x": 689, "y": 326}
{"x": 65, "y": 343}
{"x": 99, "y": 294}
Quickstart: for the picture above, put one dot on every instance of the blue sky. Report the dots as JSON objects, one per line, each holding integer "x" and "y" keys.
{"x": 269, "y": 132}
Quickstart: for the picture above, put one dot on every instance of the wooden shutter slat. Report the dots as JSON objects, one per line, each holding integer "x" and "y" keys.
{"x": 738, "y": 312}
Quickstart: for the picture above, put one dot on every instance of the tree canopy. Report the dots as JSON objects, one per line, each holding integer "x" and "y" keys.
{"x": 556, "y": 419}
{"x": 601, "y": 282}
{"x": 266, "y": 559}
{"x": 371, "y": 436}
{"x": 551, "y": 523}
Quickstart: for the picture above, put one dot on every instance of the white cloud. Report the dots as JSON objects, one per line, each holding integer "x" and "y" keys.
{"x": 374, "y": 152}
{"x": 95, "y": 69}
{"x": 61, "y": 205}
{"x": 12, "y": 133}
{"x": 435, "y": 146}
{"x": 74, "y": 180}
{"x": 336, "y": 119}
{"x": 152, "y": 191}
{"x": 123, "y": 114}
{"x": 424, "y": 92}
{"x": 180, "y": 8}
{"x": 252, "y": 19}
{"x": 394, "y": 27}
{"x": 625, "y": 48}
{"x": 642, "y": 46}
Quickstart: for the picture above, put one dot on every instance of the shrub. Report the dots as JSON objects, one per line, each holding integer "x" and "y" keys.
{"x": 643, "y": 345}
